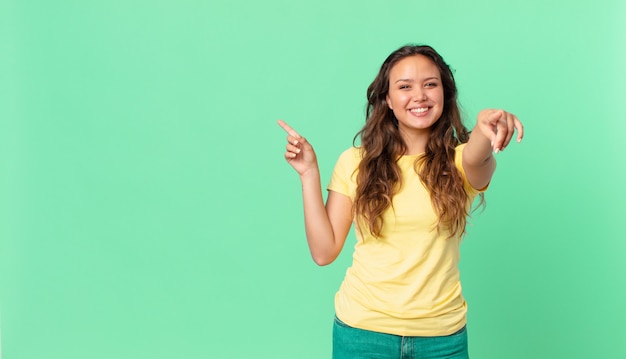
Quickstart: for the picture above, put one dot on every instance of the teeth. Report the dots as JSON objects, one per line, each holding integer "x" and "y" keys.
{"x": 419, "y": 110}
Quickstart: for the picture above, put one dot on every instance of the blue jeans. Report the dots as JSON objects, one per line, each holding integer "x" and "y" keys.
{"x": 354, "y": 343}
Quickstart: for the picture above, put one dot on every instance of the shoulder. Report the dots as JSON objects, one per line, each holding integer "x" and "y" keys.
{"x": 343, "y": 179}
{"x": 458, "y": 157}
{"x": 351, "y": 156}
{"x": 348, "y": 163}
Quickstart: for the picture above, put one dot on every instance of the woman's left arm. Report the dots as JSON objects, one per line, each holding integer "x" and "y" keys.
{"x": 492, "y": 133}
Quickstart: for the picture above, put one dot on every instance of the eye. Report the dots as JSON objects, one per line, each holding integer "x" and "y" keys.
{"x": 404, "y": 87}
{"x": 431, "y": 84}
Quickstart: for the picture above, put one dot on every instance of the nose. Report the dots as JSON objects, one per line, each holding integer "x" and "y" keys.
{"x": 419, "y": 94}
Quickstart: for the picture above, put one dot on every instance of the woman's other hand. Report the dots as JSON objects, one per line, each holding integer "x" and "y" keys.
{"x": 299, "y": 152}
{"x": 499, "y": 126}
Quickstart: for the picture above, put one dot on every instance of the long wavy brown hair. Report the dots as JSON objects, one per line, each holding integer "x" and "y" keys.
{"x": 379, "y": 176}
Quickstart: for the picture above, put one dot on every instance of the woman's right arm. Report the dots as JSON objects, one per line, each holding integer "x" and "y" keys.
{"x": 327, "y": 225}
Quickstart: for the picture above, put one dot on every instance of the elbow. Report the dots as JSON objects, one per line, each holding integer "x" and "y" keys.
{"x": 323, "y": 260}
{"x": 479, "y": 162}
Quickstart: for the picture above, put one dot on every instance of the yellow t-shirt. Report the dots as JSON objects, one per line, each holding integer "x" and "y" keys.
{"x": 407, "y": 282}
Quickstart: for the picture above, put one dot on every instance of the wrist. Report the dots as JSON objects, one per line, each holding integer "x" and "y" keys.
{"x": 312, "y": 173}
{"x": 310, "y": 176}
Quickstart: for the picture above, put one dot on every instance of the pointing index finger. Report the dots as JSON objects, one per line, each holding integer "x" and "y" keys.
{"x": 288, "y": 129}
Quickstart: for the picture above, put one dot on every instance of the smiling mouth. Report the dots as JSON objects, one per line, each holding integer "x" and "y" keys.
{"x": 419, "y": 110}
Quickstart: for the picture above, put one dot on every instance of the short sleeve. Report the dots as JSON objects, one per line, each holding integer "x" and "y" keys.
{"x": 458, "y": 161}
{"x": 343, "y": 179}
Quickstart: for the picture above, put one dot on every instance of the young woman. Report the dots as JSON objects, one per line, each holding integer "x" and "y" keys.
{"x": 408, "y": 189}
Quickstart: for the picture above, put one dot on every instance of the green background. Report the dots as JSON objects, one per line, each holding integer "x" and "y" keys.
{"x": 146, "y": 210}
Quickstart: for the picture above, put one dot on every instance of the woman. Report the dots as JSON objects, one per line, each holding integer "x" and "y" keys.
{"x": 408, "y": 188}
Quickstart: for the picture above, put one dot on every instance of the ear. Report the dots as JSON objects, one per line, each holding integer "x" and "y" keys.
{"x": 388, "y": 101}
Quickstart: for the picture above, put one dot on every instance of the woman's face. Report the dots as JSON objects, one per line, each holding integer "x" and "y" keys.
{"x": 415, "y": 94}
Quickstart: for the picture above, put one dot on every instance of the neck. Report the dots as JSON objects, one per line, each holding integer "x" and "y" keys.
{"x": 415, "y": 141}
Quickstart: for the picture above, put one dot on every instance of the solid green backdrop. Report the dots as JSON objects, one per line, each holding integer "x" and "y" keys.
{"x": 146, "y": 210}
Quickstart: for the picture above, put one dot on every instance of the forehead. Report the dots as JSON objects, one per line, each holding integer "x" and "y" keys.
{"x": 413, "y": 67}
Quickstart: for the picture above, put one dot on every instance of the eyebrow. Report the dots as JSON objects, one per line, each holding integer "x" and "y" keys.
{"x": 411, "y": 80}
